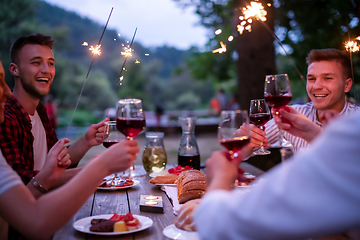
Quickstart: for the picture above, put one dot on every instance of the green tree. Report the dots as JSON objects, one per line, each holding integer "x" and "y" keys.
{"x": 252, "y": 53}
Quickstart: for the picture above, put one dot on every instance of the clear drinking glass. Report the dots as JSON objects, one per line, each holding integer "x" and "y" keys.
{"x": 130, "y": 121}
{"x": 259, "y": 114}
{"x": 277, "y": 93}
{"x": 230, "y": 122}
{"x": 112, "y": 136}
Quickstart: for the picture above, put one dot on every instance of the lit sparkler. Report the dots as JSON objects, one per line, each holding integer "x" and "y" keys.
{"x": 96, "y": 50}
{"x": 254, "y": 10}
{"x": 94, "y": 55}
{"x": 126, "y": 56}
{"x": 257, "y": 11}
{"x": 127, "y": 52}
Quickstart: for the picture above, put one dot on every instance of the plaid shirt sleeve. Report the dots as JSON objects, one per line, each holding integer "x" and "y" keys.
{"x": 17, "y": 149}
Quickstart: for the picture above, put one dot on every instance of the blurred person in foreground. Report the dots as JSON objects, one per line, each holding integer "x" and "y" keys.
{"x": 313, "y": 194}
{"x": 26, "y": 133}
{"x": 328, "y": 81}
{"x": 40, "y": 217}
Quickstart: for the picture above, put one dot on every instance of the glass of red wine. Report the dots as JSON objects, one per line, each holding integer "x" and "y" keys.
{"x": 277, "y": 93}
{"x": 259, "y": 115}
{"x": 111, "y": 134}
{"x": 230, "y": 122}
{"x": 130, "y": 121}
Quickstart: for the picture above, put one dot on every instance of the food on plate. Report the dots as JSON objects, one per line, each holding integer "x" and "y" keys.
{"x": 166, "y": 179}
{"x": 191, "y": 184}
{"x": 107, "y": 183}
{"x": 178, "y": 169}
{"x": 247, "y": 182}
{"x": 117, "y": 223}
{"x": 171, "y": 176}
{"x": 120, "y": 226}
{"x": 102, "y": 225}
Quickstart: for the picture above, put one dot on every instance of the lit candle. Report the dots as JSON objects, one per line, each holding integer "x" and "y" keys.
{"x": 151, "y": 198}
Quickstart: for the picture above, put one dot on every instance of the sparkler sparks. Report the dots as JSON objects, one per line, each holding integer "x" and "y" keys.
{"x": 220, "y": 50}
{"x": 96, "y": 50}
{"x": 82, "y": 89}
{"x": 126, "y": 56}
{"x": 254, "y": 10}
{"x": 352, "y": 46}
{"x": 127, "y": 52}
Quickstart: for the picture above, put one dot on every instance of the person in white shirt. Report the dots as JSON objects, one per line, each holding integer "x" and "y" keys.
{"x": 33, "y": 216}
{"x": 328, "y": 81}
{"x": 313, "y": 194}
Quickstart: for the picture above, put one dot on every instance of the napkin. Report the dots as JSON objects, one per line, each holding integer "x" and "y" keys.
{"x": 171, "y": 192}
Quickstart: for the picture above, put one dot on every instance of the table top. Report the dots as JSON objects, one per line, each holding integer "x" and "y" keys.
{"x": 119, "y": 201}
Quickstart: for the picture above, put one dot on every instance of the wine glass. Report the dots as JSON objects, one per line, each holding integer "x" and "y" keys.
{"x": 230, "y": 122}
{"x": 111, "y": 136}
{"x": 259, "y": 115}
{"x": 277, "y": 93}
{"x": 130, "y": 121}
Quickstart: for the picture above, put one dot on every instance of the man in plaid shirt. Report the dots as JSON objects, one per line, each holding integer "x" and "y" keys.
{"x": 26, "y": 134}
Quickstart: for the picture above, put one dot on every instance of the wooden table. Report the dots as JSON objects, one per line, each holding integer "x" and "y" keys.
{"x": 108, "y": 202}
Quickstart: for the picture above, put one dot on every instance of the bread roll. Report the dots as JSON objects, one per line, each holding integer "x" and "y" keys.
{"x": 191, "y": 184}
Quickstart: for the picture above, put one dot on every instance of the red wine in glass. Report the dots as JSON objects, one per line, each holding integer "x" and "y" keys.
{"x": 189, "y": 160}
{"x": 259, "y": 119}
{"x": 278, "y": 101}
{"x": 235, "y": 144}
{"x": 130, "y": 127}
{"x": 107, "y": 144}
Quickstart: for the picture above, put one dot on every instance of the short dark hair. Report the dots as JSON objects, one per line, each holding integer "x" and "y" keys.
{"x": 329, "y": 54}
{"x": 37, "y": 38}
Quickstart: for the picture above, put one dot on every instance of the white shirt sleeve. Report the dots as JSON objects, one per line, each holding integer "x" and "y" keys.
{"x": 9, "y": 178}
{"x": 272, "y": 131}
{"x": 314, "y": 194}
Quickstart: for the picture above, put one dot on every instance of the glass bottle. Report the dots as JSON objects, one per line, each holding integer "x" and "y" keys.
{"x": 154, "y": 156}
{"x": 188, "y": 150}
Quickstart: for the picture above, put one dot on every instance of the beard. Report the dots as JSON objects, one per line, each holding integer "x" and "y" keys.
{"x": 32, "y": 90}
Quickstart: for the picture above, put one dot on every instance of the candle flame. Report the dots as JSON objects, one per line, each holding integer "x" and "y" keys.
{"x": 220, "y": 50}
{"x": 96, "y": 50}
{"x": 85, "y": 44}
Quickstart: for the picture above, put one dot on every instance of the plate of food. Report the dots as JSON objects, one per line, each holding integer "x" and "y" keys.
{"x": 127, "y": 183}
{"x": 248, "y": 183}
{"x": 168, "y": 177}
{"x": 175, "y": 233}
{"x": 113, "y": 224}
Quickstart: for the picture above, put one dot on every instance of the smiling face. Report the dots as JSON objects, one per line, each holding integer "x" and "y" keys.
{"x": 326, "y": 85}
{"x": 4, "y": 92}
{"x": 34, "y": 69}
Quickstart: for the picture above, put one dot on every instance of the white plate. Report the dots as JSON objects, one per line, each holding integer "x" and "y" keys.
{"x": 136, "y": 182}
{"x": 169, "y": 184}
{"x": 175, "y": 233}
{"x": 161, "y": 173}
{"x": 83, "y": 225}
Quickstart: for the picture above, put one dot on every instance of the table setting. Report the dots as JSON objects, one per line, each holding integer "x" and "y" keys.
{"x": 152, "y": 193}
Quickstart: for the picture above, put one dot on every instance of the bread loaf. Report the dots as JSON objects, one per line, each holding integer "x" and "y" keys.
{"x": 191, "y": 184}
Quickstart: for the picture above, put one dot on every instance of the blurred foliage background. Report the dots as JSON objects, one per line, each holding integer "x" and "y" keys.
{"x": 174, "y": 78}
